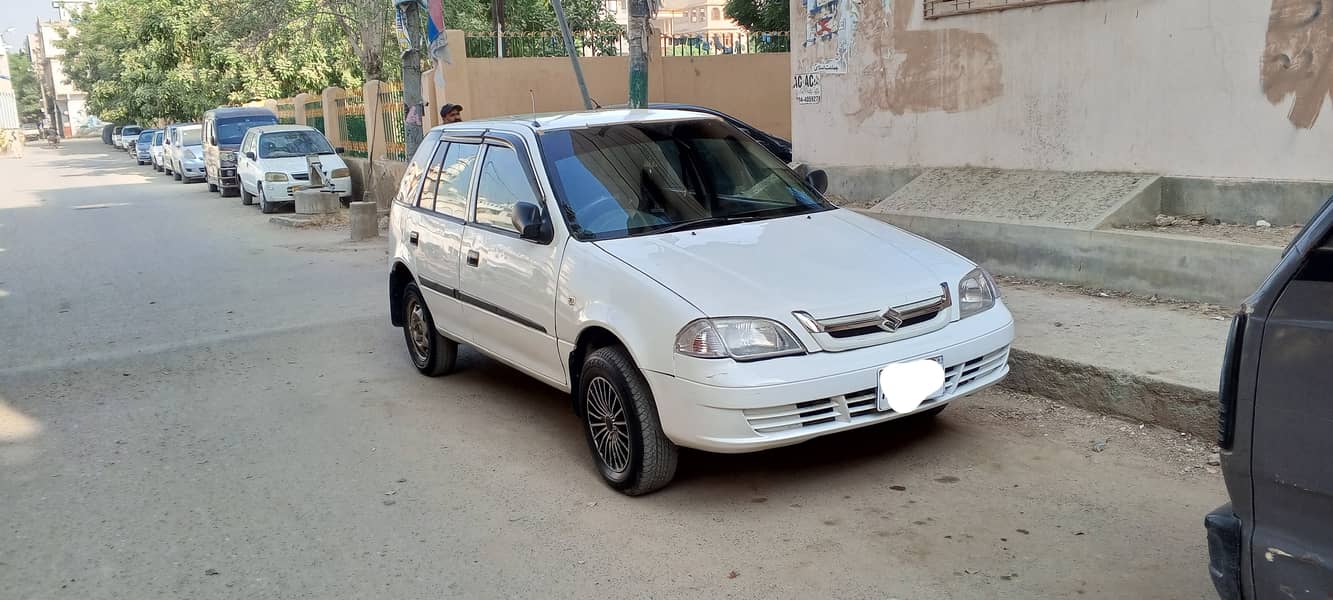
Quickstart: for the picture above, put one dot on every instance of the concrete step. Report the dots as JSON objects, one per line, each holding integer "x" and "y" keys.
{"x": 1155, "y": 363}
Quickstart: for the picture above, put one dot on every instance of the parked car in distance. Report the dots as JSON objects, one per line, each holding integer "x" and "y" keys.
{"x": 223, "y": 130}
{"x": 115, "y": 137}
{"x": 32, "y": 132}
{"x": 128, "y": 135}
{"x": 272, "y": 164}
{"x": 108, "y": 131}
{"x": 684, "y": 284}
{"x": 185, "y": 158}
{"x": 143, "y": 147}
{"x": 1274, "y": 424}
{"x": 780, "y": 147}
{"x": 155, "y": 151}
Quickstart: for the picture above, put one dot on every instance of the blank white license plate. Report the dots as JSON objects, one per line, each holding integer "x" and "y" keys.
{"x": 882, "y": 402}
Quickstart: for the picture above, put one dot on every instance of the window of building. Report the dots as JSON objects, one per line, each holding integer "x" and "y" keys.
{"x": 934, "y": 9}
{"x": 717, "y": 14}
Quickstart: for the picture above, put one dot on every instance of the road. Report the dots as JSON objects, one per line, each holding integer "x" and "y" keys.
{"x": 196, "y": 403}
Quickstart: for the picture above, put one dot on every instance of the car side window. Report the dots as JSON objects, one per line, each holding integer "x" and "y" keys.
{"x": 504, "y": 182}
{"x": 454, "y": 179}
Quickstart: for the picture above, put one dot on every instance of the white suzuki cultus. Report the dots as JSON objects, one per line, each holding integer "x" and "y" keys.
{"x": 682, "y": 283}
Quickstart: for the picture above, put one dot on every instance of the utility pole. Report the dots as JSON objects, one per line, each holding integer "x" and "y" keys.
{"x": 638, "y": 53}
{"x": 409, "y": 10}
{"x": 573, "y": 55}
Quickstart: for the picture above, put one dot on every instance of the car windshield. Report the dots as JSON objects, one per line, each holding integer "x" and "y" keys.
{"x": 644, "y": 178}
{"x": 131, "y": 131}
{"x": 191, "y": 137}
{"x": 146, "y": 137}
{"x": 231, "y": 131}
{"x": 286, "y": 144}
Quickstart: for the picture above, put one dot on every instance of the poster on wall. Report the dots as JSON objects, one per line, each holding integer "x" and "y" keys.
{"x": 806, "y": 88}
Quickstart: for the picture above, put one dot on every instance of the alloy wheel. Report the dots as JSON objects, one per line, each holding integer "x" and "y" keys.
{"x": 607, "y": 425}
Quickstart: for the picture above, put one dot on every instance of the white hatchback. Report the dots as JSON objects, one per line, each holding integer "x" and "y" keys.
{"x": 272, "y": 164}
{"x": 685, "y": 285}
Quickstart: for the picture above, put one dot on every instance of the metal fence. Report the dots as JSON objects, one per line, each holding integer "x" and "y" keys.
{"x": 395, "y": 124}
{"x": 726, "y": 43}
{"x": 352, "y": 113}
{"x": 547, "y": 43}
{"x": 286, "y": 112}
{"x": 314, "y": 115}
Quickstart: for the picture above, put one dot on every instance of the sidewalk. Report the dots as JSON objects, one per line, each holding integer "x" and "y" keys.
{"x": 1151, "y": 362}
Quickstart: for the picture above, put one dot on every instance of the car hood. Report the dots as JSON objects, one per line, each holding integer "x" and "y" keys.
{"x": 828, "y": 264}
{"x": 297, "y": 164}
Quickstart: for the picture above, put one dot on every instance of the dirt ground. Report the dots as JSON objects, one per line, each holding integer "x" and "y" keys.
{"x": 1240, "y": 234}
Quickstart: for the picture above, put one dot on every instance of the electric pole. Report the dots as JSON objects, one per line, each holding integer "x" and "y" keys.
{"x": 412, "y": 77}
{"x": 638, "y": 53}
{"x": 573, "y": 55}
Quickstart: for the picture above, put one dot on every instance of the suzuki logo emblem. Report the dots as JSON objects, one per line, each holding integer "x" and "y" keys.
{"x": 891, "y": 321}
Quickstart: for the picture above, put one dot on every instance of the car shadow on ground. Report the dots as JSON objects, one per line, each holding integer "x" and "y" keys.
{"x": 721, "y": 477}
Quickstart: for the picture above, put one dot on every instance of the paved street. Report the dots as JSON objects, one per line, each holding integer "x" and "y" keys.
{"x": 195, "y": 403}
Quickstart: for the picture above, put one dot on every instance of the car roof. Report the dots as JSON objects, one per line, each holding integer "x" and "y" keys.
{"x": 556, "y": 121}
{"x": 262, "y": 129}
{"x": 239, "y": 111}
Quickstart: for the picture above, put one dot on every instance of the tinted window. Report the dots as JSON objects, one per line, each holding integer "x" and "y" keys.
{"x": 146, "y": 137}
{"x": 639, "y": 178}
{"x": 128, "y": 131}
{"x": 230, "y": 131}
{"x": 450, "y": 177}
{"x": 504, "y": 182}
{"x": 287, "y": 144}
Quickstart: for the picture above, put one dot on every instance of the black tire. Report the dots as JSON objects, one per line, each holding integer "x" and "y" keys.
{"x": 212, "y": 187}
{"x": 178, "y": 176}
{"x": 265, "y": 206}
{"x": 246, "y": 197}
{"x": 431, "y": 353}
{"x": 651, "y": 461}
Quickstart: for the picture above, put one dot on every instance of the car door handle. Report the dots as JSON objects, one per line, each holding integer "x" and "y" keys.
{"x": 413, "y": 238}
{"x": 473, "y": 258}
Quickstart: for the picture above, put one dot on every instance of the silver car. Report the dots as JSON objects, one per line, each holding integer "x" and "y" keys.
{"x": 185, "y": 158}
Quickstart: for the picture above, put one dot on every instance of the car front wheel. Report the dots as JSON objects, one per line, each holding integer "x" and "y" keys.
{"x": 246, "y": 197}
{"x": 621, "y": 426}
{"x": 432, "y": 353}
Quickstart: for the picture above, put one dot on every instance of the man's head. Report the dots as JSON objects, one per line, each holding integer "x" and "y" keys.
{"x": 451, "y": 113}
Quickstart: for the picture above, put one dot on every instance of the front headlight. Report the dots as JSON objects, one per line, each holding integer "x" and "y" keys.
{"x": 275, "y": 177}
{"x": 227, "y": 156}
{"x": 977, "y": 293}
{"x": 339, "y": 173}
{"x": 741, "y": 338}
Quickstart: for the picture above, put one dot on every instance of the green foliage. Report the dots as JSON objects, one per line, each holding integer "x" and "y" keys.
{"x": 760, "y": 15}
{"x": 27, "y": 91}
{"x": 531, "y": 28}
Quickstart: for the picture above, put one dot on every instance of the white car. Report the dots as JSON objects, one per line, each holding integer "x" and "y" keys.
{"x": 128, "y": 135}
{"x": 685, "y": 285}
{"x": 271, "y": 164}
{"x": 155, "y": 151}
{"x": 185, "y": 156}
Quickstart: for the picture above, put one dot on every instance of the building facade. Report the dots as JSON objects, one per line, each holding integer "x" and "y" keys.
{"x": 1201, "y": 88}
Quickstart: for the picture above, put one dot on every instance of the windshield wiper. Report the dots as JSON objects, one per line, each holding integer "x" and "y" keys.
{"x": 706, "y": 221}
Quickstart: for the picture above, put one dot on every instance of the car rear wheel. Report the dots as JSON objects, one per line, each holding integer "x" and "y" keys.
{"x": 621, "y": 425}
{"x": 432, "y": 353}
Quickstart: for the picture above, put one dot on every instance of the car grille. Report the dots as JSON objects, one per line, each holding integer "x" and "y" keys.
{"x": 859, "y": 406}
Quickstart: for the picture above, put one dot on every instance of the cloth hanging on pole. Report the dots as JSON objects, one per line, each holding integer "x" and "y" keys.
{"x": 437, "y": 42}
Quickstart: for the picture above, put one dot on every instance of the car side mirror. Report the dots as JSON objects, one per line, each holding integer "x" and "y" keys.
{"x": 527, "y": 220}
{"x": 250, "y": 155}
{"x": 339, "y": 150}
{"x": 817, "y": 179}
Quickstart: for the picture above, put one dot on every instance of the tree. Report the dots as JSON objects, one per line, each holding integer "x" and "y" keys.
{"x": 760, "y": 15}
{"x": 27, "y": 90}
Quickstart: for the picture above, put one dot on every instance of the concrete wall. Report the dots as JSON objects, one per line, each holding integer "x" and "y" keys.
{"x": 1281, "y": 203}
{"x": 1167, "y": 266}
{"x": 751, "y": 87}
{"x": 383, "y": 182}
{"x": 1200, "y": 88}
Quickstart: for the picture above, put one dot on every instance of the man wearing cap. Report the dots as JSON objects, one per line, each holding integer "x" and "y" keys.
{"x": 451, "y": 113}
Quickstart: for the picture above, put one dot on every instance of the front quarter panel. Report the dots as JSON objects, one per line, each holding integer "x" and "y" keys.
{"x": 598, "y": 290}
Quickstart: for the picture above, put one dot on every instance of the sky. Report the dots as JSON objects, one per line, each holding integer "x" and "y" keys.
{"x": 22, "y": 15}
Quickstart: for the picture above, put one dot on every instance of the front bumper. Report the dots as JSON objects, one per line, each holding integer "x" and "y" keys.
{"x": 192, "y": 169}
{"x": 799, "y": 398}
{"x": 1224, "y": 549}
{"x": 227, "y": 177}
{"x": 282, "y": 191}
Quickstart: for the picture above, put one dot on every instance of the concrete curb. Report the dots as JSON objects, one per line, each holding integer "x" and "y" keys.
{"x": 292, "y": 220}
{"x": 1114, "y": 392}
